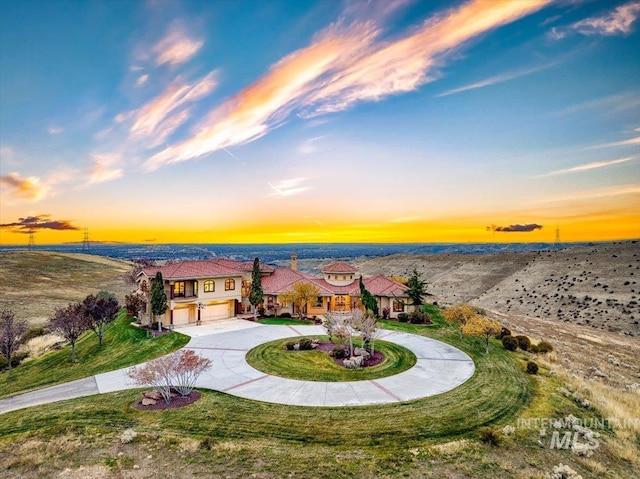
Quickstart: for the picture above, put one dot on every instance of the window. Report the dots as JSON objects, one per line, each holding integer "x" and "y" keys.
{"x": 398, "y": 306}
{"x": 343, "y": 277}
{"x": 229, "y": 284}
{"x": 318, "y": 302}
{"x": 195, "y": 288}
{"x": 178, "y": 289}
{"x": 209, "y": 286}
{"x": 246, "y": 287}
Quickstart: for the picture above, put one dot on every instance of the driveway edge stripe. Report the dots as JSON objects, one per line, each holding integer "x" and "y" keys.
{"x": 382, "y": 388}
{"x": 245, "y": 383}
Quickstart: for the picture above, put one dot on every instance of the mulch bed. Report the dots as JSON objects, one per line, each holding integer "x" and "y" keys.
{"x": 176, "y": 402}
{"x": 374, "y": 360}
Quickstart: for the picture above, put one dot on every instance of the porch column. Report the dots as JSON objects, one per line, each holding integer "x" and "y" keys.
{"x": 171, "y": 317}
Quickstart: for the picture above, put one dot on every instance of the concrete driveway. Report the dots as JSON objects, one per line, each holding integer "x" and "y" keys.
{"x": 439, "y": 368}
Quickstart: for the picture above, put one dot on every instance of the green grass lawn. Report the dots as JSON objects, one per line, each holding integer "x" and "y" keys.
{"x": 273, "y": 358}
{"x": 286, "y": 321}
{"x": 123, "y": 345}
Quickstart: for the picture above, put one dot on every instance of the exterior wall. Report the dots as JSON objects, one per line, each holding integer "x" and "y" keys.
{"x": 220, "y": 292}
{"x": 339, "y": 279}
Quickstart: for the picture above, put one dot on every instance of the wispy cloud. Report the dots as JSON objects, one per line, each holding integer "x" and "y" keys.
{"x": 142, "y": 79}
{"x": 177, "y": 46}
{"x": 39, "y": 222}
{"x": 55, "y": 130}
{"x": 607, "y": 104}
{"x": 288, "y": 187}
{"x": 155, "y": 114}
{"x": 514, "y": 228}
{"x": 495, "y": 79}
{"x": 405, "y": 219}
{"x": 589, "y": 166}
{"x": 310, "y": 145}
{"x": 344, "y": 65}
{"x": 617, "y": 22}
{"x": 30, "y": 188}
{"x": 594, "y": 194}
{"x": 629, "y": 142}
{"x": 105, "y": 167}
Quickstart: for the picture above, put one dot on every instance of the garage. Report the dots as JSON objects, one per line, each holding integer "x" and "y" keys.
{"x": 215, "y": 311}
{"x": 181, "y": 316}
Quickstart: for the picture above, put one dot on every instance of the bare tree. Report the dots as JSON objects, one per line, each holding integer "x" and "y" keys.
{"x": 179, "y": 371}
{"x": 367, "y": 325}
{"x": 70, "y": 323}
{"x": 11, "y": 333}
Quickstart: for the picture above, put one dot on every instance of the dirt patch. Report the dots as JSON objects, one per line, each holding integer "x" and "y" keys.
{"x": 376, "y": 358}
{"x": 176, "y": 402}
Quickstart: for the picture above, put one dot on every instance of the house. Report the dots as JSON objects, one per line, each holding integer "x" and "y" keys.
{"x": 219, "y": 289}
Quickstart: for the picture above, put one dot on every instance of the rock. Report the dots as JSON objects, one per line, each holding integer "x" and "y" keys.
{"x": 354, "y": 362}
{"x": 155, "y": 395}
{"x": 148, "y": 402}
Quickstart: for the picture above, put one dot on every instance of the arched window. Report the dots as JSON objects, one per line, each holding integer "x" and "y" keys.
{"x": 209, "y": 286}
{"x": 229, "y": 284}
{"x": 398, "y": 306}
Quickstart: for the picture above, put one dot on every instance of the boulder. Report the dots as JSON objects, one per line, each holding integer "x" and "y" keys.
{"x": 148, "y": 402}
{"x": 155, "y": 395}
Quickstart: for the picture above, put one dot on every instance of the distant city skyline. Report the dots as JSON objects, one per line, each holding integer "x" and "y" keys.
{"x": 339, "y": 121}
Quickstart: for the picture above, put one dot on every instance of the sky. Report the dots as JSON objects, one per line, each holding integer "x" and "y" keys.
{"x": 319, "y": 121}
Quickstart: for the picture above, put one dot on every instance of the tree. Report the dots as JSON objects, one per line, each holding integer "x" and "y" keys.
{"x": 179, "y": 370}
{"x": 70, "y": 323}
{"x": 11, "y": 333}
{"x": 133, "y": 303}
{"x": 158, "y": 298}
{"x": 256, "y": 294}
{"x": 459, "y": 315}
{"x": 417, "y": 288}
{"x": 481, "y": 326}
{"x": 367, "y": 325}
{"x": 301, "y": 294}
{"x": 367, "y": 299}
{"x": 101, "y": 311}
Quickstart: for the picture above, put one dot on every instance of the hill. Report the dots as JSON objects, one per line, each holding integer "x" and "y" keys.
{"x": 34, "y": 283}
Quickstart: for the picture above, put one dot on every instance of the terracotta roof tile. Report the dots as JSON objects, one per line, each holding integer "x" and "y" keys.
{"x": 339, "y": 267}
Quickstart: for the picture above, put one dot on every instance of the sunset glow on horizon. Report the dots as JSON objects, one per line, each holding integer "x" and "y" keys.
{"x": 314, "y": 122}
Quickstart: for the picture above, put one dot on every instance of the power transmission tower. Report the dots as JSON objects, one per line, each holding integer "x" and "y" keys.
{"x": 32, "y": 240}
{"x": 557, "y": 245}
{"x": 86, "y": 246}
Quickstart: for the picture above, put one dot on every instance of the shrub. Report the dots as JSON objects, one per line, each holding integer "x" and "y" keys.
{"x": 306, "y": 344}
{"x": 510, "y": 343}
{"x": 339, "y": 352}
{"x": 290, "y": 345}
{"x": 261, "y": 311}
{"x": 532, "y": 368}
{"x": 16, "y": 359}
{"x": 33, "y": 333}
{"x": 285, "y": 315}
{"x": 503, "y": 332}
{"x": 543, "y": 347}
{"x": 403, "y": 317}
{"x": 524, "y": 342}
{"x": 489, "y": 435}
{"x": 418, "y": 317}
{"x": 128, "y": 436}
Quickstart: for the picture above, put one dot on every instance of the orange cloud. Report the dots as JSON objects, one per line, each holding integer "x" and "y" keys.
{"x": 26, "y": 188}
{"x": 104, "y": 168}
{"x": 343, "y": 65}
{"x": 176, "y": 47}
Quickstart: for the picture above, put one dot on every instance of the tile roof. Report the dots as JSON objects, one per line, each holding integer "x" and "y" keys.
{"x": 197, "y": 269}
{"x": 339, "y": 267}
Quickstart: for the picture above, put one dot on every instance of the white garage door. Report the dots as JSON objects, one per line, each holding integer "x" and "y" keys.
{"x": 181, "y": 316}
{"x": 215, "y": 311}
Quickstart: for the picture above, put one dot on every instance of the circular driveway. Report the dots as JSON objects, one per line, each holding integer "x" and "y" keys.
{"x": 439, "y": 368}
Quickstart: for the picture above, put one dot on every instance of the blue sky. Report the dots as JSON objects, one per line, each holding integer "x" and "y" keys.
{"x": 255, "y": 121}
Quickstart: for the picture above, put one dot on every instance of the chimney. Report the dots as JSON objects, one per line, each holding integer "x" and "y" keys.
{"x": 294, "y": 261}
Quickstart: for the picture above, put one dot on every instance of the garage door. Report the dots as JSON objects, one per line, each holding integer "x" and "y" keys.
{"x": 181, "y": 316}
{"x": 215, "y": 311}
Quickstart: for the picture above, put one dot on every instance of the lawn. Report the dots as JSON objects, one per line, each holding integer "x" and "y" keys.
{"x": 273, "y": 358}
{"x": 123, "y": 345}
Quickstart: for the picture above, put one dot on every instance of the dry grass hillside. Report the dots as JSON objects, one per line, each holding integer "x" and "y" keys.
{"x": 34, "y": 283}
{"x": 584, "y": 300}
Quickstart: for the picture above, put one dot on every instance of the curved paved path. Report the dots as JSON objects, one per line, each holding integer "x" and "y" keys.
{"x": 439, "y": 368}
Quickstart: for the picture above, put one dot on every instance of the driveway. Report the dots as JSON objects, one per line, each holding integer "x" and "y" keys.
{"x": 439, "y": 368}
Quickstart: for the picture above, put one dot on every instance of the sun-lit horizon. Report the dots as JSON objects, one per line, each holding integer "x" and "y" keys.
{"x": 351, "y": 122}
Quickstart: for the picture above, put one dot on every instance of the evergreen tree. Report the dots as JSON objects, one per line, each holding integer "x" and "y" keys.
{"x": 158, "y": 298}
{"x": 417, "y": 288}
{"x": 256, "y": 294}
{"x": 367, "y": 299}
